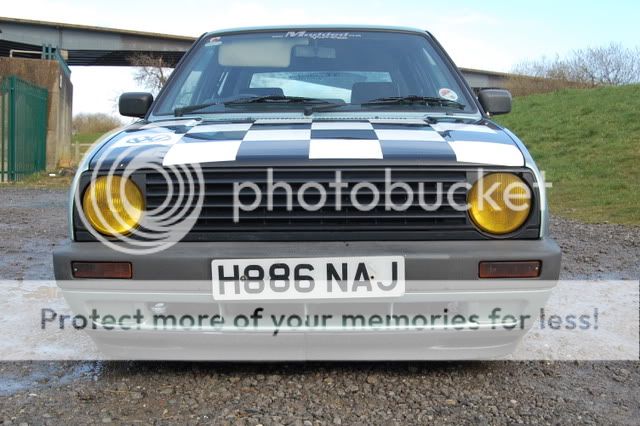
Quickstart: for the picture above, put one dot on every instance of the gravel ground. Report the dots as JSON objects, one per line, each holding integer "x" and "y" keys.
{"x": 33, "y": 222}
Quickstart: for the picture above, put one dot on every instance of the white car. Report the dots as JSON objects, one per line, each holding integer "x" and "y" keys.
{"x": 310, "y": 193}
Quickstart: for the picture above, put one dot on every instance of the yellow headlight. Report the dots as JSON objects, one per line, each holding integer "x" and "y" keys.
{"x": 499, "y": 203}
{"x": 113, "y": 205}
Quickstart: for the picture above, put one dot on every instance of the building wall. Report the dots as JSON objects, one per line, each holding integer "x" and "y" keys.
{"x": 479, "y": 79}
{"x": 47, "y": 74}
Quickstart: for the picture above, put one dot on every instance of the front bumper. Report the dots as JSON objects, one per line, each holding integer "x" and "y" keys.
{"x": 440, "y": 276}
{"x": 424, "y": 260}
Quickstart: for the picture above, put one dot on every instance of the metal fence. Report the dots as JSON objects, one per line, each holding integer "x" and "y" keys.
{"x": 23, "y": 129}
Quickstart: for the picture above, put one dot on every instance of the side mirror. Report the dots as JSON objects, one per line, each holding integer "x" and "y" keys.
{"x": 495, "y": 101}
{"x": 135, "y": 104}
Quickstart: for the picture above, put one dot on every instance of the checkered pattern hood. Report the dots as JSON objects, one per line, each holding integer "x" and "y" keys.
{"x": 307, "y": 141}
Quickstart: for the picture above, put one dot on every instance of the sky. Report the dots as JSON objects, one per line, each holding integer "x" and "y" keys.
{"x": 488, "y": 34}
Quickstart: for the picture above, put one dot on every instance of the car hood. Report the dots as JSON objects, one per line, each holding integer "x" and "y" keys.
{"x": 309, "y": 141}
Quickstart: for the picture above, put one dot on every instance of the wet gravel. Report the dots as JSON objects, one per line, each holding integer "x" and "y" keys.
{"x": 32, "y": 222}
{"x": 597, "y": 251}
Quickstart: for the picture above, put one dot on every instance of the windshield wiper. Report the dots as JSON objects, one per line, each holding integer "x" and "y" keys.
{"x": 180, "y": 111}
{"x": 277, "y": 99}
{"x": 414, "y": 100}
{"x": 311, "y": 105}
{"x": 268, "y": 99}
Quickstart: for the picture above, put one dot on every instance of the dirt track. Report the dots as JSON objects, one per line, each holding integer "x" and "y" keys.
{"x": 33, "y": 221}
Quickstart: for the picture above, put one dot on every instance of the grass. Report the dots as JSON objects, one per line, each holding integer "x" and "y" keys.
{"x": 86, "y": 137}
{"x": 588, "y": 143}
{"x": 43, "y": 180}
{"x": 85, "y": 140}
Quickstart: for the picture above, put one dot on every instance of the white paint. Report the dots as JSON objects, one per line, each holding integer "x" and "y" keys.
{"x": 205, "y": 152}
{"x": 443, "y": 127}
{"x": 495, "y": 154}
{"x": 408, "y": 135}
{"x": 345, "y": 125}
{"x": 278, "y": 135}
{"x": 344, "y": 149}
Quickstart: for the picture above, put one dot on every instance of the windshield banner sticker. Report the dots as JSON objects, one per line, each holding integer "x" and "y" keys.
{"x": 324, "y": 35}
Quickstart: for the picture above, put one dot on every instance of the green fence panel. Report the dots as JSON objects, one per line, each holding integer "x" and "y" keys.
{"x": 23, "y": 133}
{"x": 4, "y": 131}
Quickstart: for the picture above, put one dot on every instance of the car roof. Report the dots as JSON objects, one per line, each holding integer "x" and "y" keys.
{"x": 340, "y": 27}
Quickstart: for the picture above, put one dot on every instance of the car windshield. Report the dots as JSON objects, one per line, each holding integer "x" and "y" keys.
{"x": 332, "y": 70}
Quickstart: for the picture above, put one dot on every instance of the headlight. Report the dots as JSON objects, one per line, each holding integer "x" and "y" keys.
{"x": 113, "y": 205}
{"x": 499, "y": 203}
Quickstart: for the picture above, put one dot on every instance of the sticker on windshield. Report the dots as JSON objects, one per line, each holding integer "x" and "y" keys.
{"x": 448, "y": 94}
{"x": 214, "y": 41}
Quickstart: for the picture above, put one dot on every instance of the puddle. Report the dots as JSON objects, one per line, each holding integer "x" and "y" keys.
{"x": 23, "y": 339}
{"x": 31, "y": 376}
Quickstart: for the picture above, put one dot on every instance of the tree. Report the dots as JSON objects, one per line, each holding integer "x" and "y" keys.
{"x": 152, "y": 71}
{"x": 608, "y": 65}
{"x": 594, "y": 66}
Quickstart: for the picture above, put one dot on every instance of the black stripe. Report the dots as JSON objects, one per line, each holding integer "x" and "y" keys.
{"x": 215, "y": 136}
{"x": 280, "y": 126}
{"x": 417, "y": 150}
{"x": 402, "y": 126}
{"x": 344, "y": 134}
{"x": 285, "y": 150}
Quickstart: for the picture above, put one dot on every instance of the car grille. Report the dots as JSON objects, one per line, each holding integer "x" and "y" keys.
{"x": 216, "y": 219}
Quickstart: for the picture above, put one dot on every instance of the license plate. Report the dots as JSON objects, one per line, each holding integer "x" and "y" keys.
{"x": 308, "y": 278}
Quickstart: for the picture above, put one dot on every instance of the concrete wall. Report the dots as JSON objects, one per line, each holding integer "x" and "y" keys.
{"x": 47, "y": 74}
{"x": 479, "y": 79}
